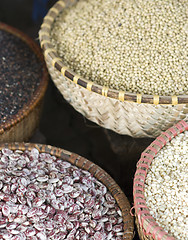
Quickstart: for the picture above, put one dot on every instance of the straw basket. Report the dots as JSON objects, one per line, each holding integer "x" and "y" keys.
{"x": 95, "y": 170}
{"x": 146, "y": 225}
{"x": 21, "y": 126}
{"x": 126, "y": 113}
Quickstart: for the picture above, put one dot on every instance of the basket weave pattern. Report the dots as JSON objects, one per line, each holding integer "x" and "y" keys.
{"x": 125, "y": 113}
{"x": 133, "y": 119}
{"x": 21, "y": 126}
{"x": 22, "y": 130}
{"x": 146, "y": 225}
{"x": 95, "y": 170}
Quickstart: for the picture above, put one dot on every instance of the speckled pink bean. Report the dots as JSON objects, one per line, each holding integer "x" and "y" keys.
{"x": 11, "y": 226}
{"x": 32, "y": 238}
{"x": 30, "y": 232}
{"x": 98, "y": 236}
{"x": 41, "y": 236}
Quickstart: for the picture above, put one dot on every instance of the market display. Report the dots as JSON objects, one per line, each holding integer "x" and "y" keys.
{"x": 44, "y": 197}
{"x": 135, "y": 46}
{"x": 166, "y": 187}
{"x": 20, "y": 75}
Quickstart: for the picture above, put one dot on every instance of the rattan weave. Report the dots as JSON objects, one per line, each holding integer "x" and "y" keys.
{"x": 21, "y": 126}
{"x": 148, "y": 229}
{"x": 95, "y": 170}
{"x": 123, "y": 112}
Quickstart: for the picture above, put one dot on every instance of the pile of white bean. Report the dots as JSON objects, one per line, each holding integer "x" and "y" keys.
{"x": 166, "y": 188}
{"x": 138, "y": 46}
{"x": 43, "y": 197}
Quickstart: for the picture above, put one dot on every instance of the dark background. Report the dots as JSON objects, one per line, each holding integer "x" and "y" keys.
{"x": 62, "y": 126}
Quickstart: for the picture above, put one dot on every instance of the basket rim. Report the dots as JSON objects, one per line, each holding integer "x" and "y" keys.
{"x": 57, "y": 63}
{"x": 93, "y": 168}
{"x": 146, "y": 221}
{"x": 41, "y": 89}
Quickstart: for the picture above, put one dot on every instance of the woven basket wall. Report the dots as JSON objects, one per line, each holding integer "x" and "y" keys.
{"x": 95, "y": 170}
{"x": 135, "y": 115}
{"x": 148, "y": 229}
{"x": 20, "y": 127}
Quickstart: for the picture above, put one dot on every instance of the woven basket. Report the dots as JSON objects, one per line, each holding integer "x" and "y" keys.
{"x": 21, "y": 126}
{"x": 96, "y": 171}
{"x": 146, "y": 225}
{"x": 127, "y": 113}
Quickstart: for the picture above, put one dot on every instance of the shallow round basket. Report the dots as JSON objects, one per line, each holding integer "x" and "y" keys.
{"x": 95, "y": 170}
{"x": 22, "y": 125}
{"x": 126, "y": 113}
{"x": 146, "y": 225}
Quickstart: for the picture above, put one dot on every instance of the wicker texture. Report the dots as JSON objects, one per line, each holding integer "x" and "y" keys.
{"x": 21, "y": 126}
{"x": 96, "y": 171}
{"x": 135, "y": 115}
{"x": 146, "y": 225}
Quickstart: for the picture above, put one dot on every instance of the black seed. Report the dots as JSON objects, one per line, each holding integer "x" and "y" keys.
{"x": 20, "y": 72}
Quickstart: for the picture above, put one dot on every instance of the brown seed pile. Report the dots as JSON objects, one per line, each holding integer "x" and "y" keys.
{"x": 139, "y": 46}
{"x": 43, "y": 197}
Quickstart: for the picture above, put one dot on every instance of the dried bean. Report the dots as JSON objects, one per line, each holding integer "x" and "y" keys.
{"x": 117, "y": 228}
{"x": 108, "y": 226}
{"x": 41, "y": 236}
{"x": 43, "y": 202}
{"x": 98, "y": 236}
{"x": 11, "y": 226}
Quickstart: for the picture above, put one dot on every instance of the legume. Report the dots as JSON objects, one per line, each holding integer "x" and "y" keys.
{"x": 138, "y": 46}
{"x": 20, "y": 73}
{"x": 44, "y": 197}
{"x": 166, "y": 187}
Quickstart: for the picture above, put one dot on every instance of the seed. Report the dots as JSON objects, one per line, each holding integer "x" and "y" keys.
{"x": 19, "y": 74}
{"x": 20, "y": 219}
{"x": 16, "y": 238}
{"x": 67, "y": 188}
{"x": 137, "y": 51}
{"x": 41, "y": 236}
{"x": 11, "y": 226}
{"x": 6, "y": 235}
{"x": 38, "y": 202}
{"x": 166, "y": 187}
{"x": 53, "y": 180}
{"x": 117, "y": 228}
{"x": 99, "y": 226}
{"x": 6, "y": 151}
{"x": 39, "y": 226}
{"x": 5, "y": 210}
{"x": 30, "y": 232}
{"x": 42, "y": 179}
{"x": 37, "y": 206}
{"x": 96, "y": 214}
{"x": 108, "y": 226}
{"x": 98, "y": 236}
{"x": 74, "y": 194}
{"x": 14, "y": 156}
{"x": 3, "y": 222}
{"x": 23, "y": 209}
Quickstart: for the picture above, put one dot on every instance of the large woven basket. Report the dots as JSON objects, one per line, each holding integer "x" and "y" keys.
{"x": 148, "y": 229}
{"x": 95, "y": 170}
{"x": 21, "y": 126}
{"x": 127, "y": 113}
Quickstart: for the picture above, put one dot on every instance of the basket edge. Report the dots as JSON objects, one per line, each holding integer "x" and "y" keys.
{"x": 50, "y": 52}
{"x": 145, "y": 222}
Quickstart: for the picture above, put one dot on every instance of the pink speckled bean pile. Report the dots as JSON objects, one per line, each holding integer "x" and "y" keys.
{"x": 43, "y": 197}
